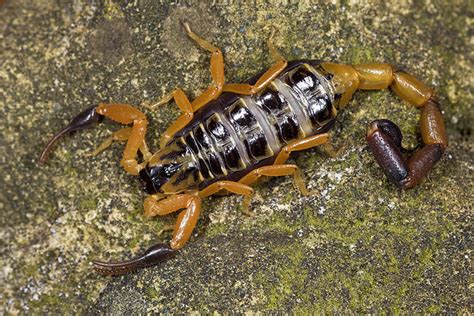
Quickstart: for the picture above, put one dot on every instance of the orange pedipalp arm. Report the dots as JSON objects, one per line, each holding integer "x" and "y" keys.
{"x": 121, "y": 113}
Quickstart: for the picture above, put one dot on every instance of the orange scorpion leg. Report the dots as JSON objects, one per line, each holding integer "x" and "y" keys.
{"x": 211, "y": 93}
{"x": 248, "y": 89}
{"x": 187, "y": 219}
{"x": 281, "y": 169}
{"x": 301, "y": 144}
{"x": 268, "y": 76}
{"x": 217, "y": 70}
{"x": 271, "y": 47}
{"x": 121, "y": 135}
{"x": 233, "y": 187}
{"x": 184, "y": 105}
{"x": 126, "y": 114}
{"x": 276, "y": 171}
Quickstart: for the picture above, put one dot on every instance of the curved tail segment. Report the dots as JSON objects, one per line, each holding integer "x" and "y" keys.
{"x": 383, "y": 136}
{"x": 407, "y": 173}
{"x": 84, "y": 119}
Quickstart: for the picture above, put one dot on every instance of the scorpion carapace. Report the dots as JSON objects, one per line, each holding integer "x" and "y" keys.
{"x": 233, "y": 134}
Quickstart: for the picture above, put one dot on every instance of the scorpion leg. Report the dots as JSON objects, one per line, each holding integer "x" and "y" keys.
{"x": 217, "y": 70}
{"x": 268, "y": 76}
{"x": 183, "y": 103}
{"x": 233, "y": 187}
{"x": 331, "y": 150}
{"x": 276, "y": 171}
{"x": 217, "y": 74}
{"x": 383, "y": 136}
{"x": 127, "y": 114}
{"x": 211, "y": 93}
{"x": 301, "y": 144}
{"x": 271, "y": 48}
{"x": 187, "y": 219}
{"x": 121, "y": 135}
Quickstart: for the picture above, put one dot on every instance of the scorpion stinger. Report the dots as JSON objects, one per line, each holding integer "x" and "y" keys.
{"x": 84, "y": 119}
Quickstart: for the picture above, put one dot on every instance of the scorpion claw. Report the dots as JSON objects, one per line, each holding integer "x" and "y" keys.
{"x": 80, "y": 121}
{"x": 152, "y": 256}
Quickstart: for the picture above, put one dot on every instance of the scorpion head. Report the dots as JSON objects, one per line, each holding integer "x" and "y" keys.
{"x": 154, "y": 177}
{"x": 170, "y": 170}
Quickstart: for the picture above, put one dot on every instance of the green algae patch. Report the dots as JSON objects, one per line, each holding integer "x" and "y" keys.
{"x": 360, "y": 55}
{"x": 287, "y": 280}
{"x": 86, "y": 203}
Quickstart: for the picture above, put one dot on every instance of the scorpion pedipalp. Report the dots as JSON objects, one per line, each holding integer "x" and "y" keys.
{"x": 153, "y": 255}
{"x": 80, "y": 121}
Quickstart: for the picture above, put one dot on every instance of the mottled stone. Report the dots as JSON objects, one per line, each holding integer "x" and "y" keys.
{"x": 358, "y": 243}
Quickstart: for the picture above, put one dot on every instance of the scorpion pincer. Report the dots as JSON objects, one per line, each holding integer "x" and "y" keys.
{"x": 234, "y": 133}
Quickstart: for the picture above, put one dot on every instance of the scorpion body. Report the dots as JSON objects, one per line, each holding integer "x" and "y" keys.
{"x": 236, "y": 134}
{"x": 233, "y": 134}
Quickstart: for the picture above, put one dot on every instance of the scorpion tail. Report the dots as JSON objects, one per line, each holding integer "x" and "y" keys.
{"x": 384, "y": 136}
{"x": 80, "y": 121}
{"x": 153, "y": 255}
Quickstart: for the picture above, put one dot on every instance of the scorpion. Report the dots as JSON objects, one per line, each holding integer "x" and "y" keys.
{"x": 232, "y": 134}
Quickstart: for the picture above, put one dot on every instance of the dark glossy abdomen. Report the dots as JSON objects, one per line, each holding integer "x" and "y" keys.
{"x": 235, "y": 134}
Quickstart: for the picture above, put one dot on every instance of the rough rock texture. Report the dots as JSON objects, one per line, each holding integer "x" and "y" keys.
{"x": 358, "y": 243}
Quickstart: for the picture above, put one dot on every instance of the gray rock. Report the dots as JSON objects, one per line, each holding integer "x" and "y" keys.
{"x": 358, "y": 243}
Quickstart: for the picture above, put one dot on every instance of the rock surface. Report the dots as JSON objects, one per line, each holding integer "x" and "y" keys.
{"x": 358, "y": 243}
